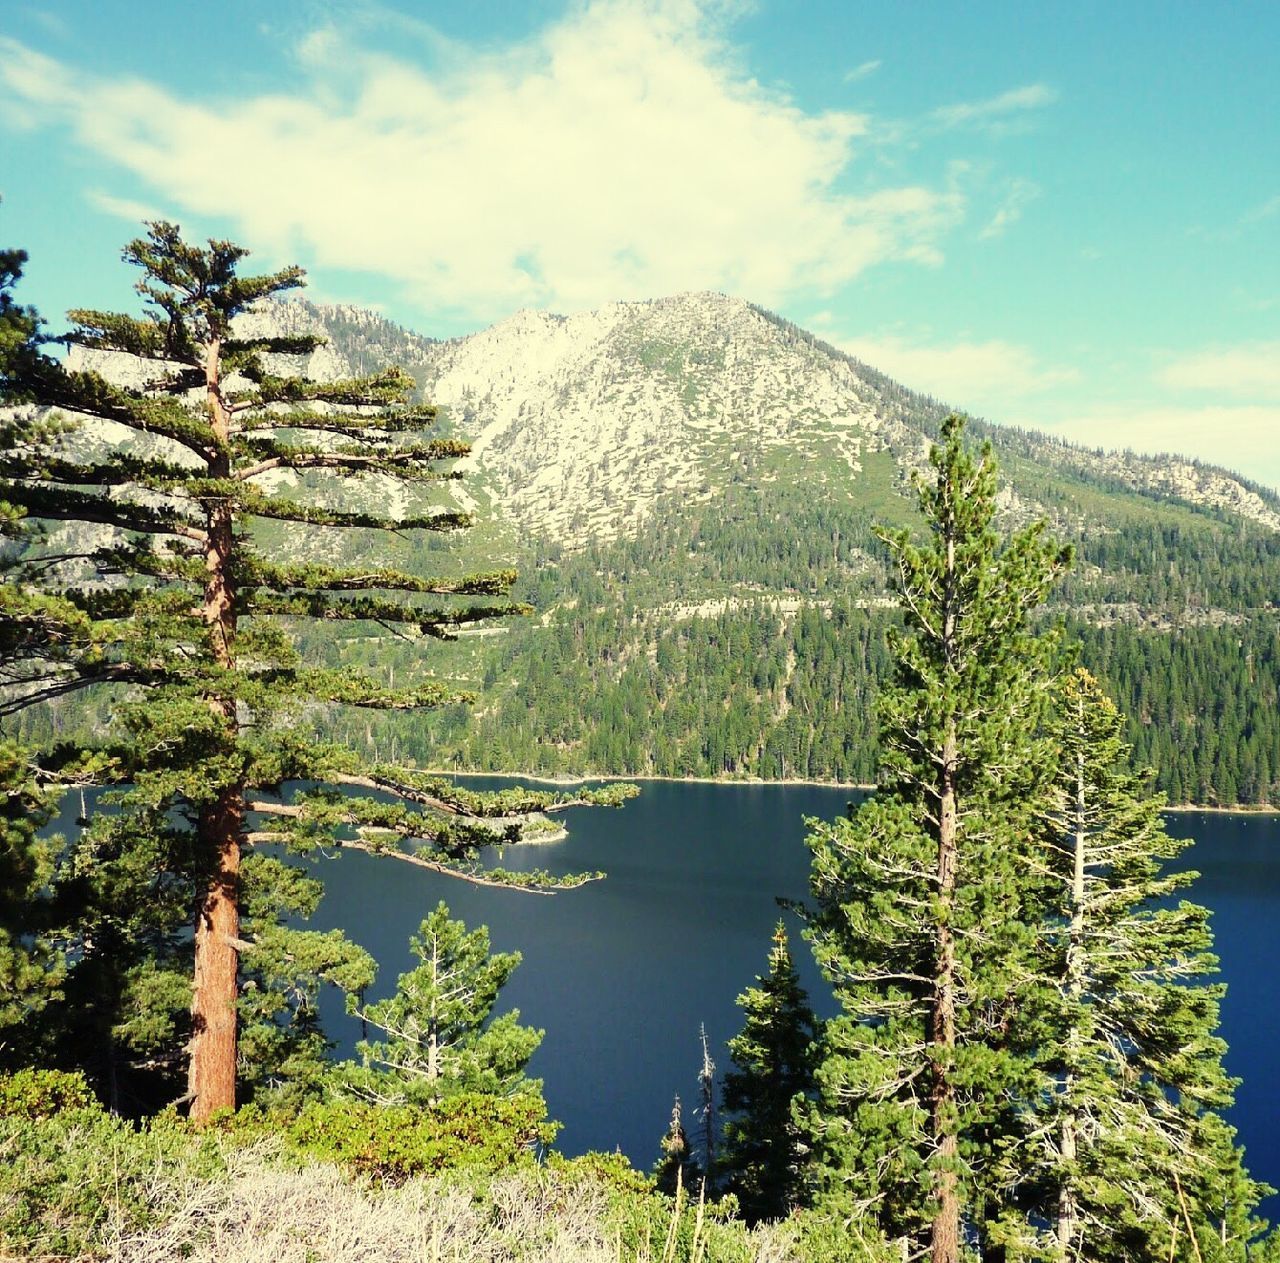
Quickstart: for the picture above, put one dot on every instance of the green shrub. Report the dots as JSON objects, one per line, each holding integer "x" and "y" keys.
{"x": 683, "y": 1229}
{"x": 72, "y": 1176}
{"x": 396, "y": 1142}
{"x": 39, "y": 1094}
{"x": 819, "y": 1238}
{"x": 608, "y": 1170}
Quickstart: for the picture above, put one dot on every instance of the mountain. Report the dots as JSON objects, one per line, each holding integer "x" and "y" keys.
{"x": 690, "y": 487}
{"x": 584, "y": 423}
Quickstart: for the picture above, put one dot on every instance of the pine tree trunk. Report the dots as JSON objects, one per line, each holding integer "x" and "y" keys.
{"x": 1067, "y": 1214}
{"x": 212, "y": 1081}
{"x": 212, "y": 1077}
{"x": 945, "y": 1234}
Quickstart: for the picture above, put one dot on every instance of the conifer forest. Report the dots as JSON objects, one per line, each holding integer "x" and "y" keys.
{"x": 246, "y": 621}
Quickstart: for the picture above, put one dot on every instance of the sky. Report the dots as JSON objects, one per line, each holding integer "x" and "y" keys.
{"x": 1064, "y": 216}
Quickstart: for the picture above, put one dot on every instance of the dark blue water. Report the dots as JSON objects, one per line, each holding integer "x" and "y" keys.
{"x": 621, "y": 973}
{"x": 1238, "y": 859}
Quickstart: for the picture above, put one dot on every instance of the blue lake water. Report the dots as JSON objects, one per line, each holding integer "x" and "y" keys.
{"x": 622, "y": 973}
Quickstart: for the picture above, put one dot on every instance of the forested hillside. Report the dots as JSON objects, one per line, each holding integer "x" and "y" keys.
{"x": 1174, "y": 619}
{"x": 705, "y": 556}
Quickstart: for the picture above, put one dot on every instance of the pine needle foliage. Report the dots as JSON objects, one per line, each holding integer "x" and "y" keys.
{"x": 438, "y": 1035}
{"x": 31, "y": 969}
{"x": 171, "y": 603}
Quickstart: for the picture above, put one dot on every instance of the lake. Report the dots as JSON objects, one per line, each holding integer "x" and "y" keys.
{"x": 622, "y": 973}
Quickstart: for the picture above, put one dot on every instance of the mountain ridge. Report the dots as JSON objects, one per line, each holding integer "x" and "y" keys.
{"x": 584, "y": 422}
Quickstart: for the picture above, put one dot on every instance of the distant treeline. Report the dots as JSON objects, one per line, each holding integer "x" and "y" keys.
{"x": 746, "y": 637}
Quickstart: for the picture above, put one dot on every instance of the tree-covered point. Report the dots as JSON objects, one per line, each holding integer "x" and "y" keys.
{"x": 145, "y": 580}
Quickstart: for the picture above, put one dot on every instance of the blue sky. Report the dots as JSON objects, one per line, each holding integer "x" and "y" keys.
{"x": 1065, "y": 216}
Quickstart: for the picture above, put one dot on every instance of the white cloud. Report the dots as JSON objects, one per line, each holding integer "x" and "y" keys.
{"x": 1242, "y": 438}
{"x": 1250, "y": 370}
{"x": 1018, "y": 196}
{"x": 1016, "y": 100}
{"x": 620, "y": 152}
{"x": 982, "y": 377}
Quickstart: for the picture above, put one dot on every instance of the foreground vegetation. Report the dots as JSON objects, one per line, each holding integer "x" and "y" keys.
{"x": 77, "y": 1182}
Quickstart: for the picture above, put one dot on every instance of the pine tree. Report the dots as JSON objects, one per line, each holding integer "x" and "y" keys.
{"x": 762, "y": 1158}
{"x": 182, "y": 602}
{"x": 677, "y": 1168}
{"x": 707, "y": 1110}
{"x": 1125, "y": 1141}
{"x": 919, "y": 919}
{"x": 31, "y": 967}
{"x": 439, "y": 1035}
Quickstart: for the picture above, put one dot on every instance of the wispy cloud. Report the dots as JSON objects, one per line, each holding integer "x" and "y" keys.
{"x": 997, "y": 109}
{"x": 619, "y": 152}
{"x": 1019, "y": 194}
{"x": 988, "y": 377}
{"x": 125, "y": 207}
{"x": 1250, "y": 370}
{"x": 1266, "y": 210}
{"x": 48, "y": 21}
{"x": 862, "y": 71}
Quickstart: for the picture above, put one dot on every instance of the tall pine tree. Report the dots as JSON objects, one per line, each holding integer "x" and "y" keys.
{"x": 918, "y": 917}
{"x": 762, "y": 1159}
{"x": 1124, "y": 1147}
{"x": 186, "y": 611}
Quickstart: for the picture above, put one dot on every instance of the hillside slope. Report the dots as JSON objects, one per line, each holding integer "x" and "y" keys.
{"x": 584, "y": 423}
{"x": 690, "y": 488}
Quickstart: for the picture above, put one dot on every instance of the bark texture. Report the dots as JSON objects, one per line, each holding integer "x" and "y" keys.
{"x": 212, "y": 1081}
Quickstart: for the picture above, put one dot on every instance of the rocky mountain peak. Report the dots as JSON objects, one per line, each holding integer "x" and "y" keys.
{"x": 582, "y": 424}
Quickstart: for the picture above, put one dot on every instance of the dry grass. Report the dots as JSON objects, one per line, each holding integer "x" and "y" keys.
{"x": 266, "y": 1213}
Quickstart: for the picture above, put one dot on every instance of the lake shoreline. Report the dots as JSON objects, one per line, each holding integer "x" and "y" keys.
{"x": 566, "y": 781}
